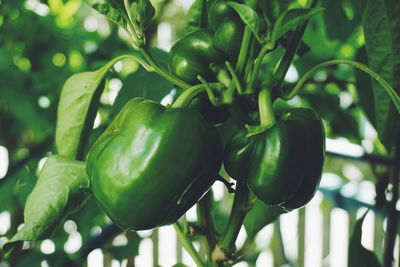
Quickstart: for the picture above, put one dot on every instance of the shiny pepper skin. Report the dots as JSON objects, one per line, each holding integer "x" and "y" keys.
{"x": 282, "y": 165}
{"x": 152, "y": 164}
{"x": 228, "y": 28}
{"x": 193, "y": 54}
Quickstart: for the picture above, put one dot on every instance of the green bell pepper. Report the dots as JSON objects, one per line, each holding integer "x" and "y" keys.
{"x": 228, "y": 28}
{"x": 283, "y": 164}
{"x": 152, "y": 164}
{"x": 193, "y": 54}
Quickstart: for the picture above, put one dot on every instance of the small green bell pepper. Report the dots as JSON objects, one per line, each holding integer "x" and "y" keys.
{"x": 228, "y": 28}
{"x": 283, "y": 164}
{"x": 193, "y": 54}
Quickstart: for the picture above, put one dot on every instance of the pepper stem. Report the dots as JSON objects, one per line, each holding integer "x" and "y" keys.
{"x": 206, "y": 221}
{"x": 184, "y": 99}
{"x": 188, "y": 245}
{"x": 226, "y": 247}
{"x": 267, "y": 117}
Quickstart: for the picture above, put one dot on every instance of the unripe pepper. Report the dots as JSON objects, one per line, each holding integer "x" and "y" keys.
{"x": 283, "y": 164}
{"x": 228, "y": 28}
{"x": 193, "y": 54}
{"x": 152, "y": 164}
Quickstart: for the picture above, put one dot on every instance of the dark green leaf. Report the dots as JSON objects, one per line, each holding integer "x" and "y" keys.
{"x": 382, "y": 36}
{"x": 364, "y": 89}
{"x": 61, "y": 189}
{"x": 260, "y": 216}
{"x": 342, "y": 17}
{"x": 250, "y": 17}
{"x": 291, "y": 19}
{"x": 77, "y": 109}
{"x": 358, "y": 255}
{"x": 146, "y": 12}
{"x": 111, "y": 9}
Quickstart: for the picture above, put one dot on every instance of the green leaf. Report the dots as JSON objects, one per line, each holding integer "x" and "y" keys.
{"x": 382, "y": 38}
{"x": 77, "y": 109}
{"x": 260, "y": 216}
{"x": 291, "y": 19}
{"x": 365, "y": 91}
{"x": 250, "y": 17}
{"x": 114, "y": 10}
{"x": 358, "y": 255}
{"x": 146, "y": 12}
{"x": 61, "y": 189}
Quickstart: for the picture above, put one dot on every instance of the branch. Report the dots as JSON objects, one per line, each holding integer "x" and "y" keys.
{"x": 291, "y": 50}
{"x": 366, "y": 157}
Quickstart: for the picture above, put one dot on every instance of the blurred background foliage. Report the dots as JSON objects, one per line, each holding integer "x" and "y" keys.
{"x": 43, "y": 42}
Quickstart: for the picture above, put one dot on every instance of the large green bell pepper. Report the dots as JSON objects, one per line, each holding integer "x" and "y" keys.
{"x": 153, "y": 163}
{"x": 283, "y": 164}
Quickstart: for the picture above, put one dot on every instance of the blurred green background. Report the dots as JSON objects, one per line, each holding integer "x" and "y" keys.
{"x": 42, "y": 43}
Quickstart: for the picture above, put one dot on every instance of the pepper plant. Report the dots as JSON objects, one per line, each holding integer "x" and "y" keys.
{"x": 229, "y": 118}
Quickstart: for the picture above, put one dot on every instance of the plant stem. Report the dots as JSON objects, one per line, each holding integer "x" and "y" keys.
{"x": 392, "y": 219}
{"x": 244, "y": 48}
{"x": 235, "y": 77}
{"x": 154, "y": 239}
{"x": 267, "y": 117}
{"x": 284, "y": 65}
{"x": 389, "y": 89}
{"x": 277, "y": 247}
{"x": 162, "y": 72}
{"x": 132, "y": 28}
{"x": 138, "y": 41}
{"x": 256, "y": 69}
{"x": 187, "y": 95}
{"x": 235, "y": 221}
{"x": 188, "y": 245}
{"x": 184, "y": 99}
{"x": 206, "y": 222}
